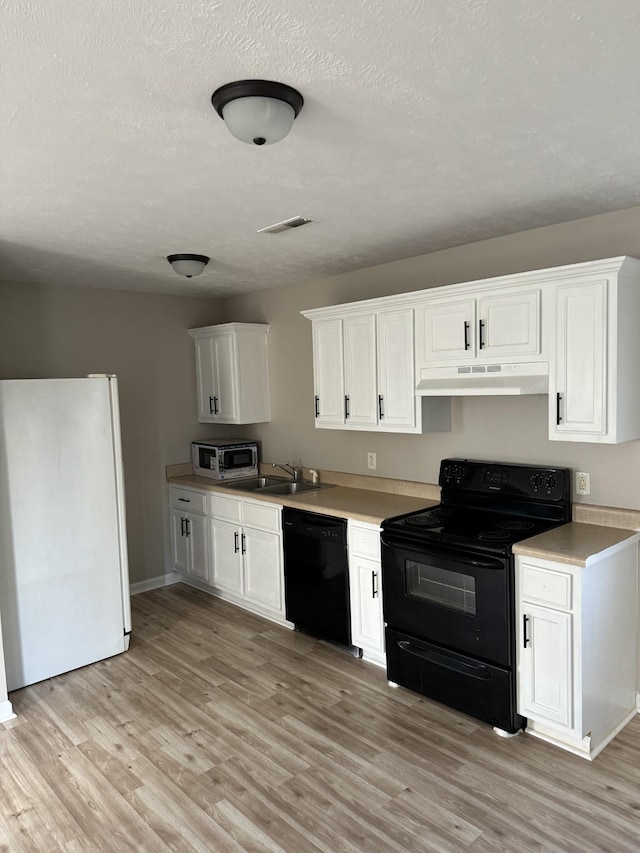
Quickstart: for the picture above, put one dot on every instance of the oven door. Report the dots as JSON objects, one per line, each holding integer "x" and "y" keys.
{"x": 454, "y": 598}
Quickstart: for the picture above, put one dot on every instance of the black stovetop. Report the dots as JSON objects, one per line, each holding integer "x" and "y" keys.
{"x": 489, "y": 506}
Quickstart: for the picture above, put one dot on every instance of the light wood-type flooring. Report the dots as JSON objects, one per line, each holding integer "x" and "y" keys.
{"x": 220, "y": 731}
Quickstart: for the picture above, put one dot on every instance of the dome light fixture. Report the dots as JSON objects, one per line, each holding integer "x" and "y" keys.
{"x": 258, "y": 112}
{"x": 188, "y": 265}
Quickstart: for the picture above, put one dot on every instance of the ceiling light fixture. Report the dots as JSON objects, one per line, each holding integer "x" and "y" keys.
{"x": 188, "y": 265}
{"x": 259, "y": 112}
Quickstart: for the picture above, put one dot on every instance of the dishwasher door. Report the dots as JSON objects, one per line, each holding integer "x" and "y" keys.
{"x": 316, "y": 574}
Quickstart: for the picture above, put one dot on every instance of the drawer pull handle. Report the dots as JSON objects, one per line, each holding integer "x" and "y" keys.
{"x": 185, "y": 500}
{"x": 380, "y": 412}
{"x": 525, "y": 640}
{"x": 558, "y": 416}
{"x": 374, "y": 585}
{"x": 466, "y": 335}
{"x": 235, "y": 543}
{"x": 317, "y": 401}
{"x": 480, "y": 330}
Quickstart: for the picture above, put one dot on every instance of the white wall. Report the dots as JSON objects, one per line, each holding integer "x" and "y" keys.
{"x": 494, "y": 428}
{"x": 64, "y": 331}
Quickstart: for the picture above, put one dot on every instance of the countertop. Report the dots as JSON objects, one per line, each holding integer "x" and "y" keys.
{"x": 367, "y": 505}
{"x": 574, "y": 543}
{"x": 594, "y": 529}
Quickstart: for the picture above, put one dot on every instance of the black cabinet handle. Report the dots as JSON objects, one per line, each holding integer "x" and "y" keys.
{"x": 182, "y": 527}
{"x": 211, "y": 412}
{"x": 317, "y": 401}
{"x": 187, "y": 524}
{"x": 243, "y": 539}
{"x": 380, "y": 412}
{"x": 466, "y": 335}
{"x": 480, "y": 331}
{"x": 525, "y": 639}
{"x": 235, "y": 542}
{"x": 346, "y": 406}
{"x": 185, "y": 500}
{"x": 215, "y": 405}
{"x": 374, "y": 585}
{"x": 558, "y": 416}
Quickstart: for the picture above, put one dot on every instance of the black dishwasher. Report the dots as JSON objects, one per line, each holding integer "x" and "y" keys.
{"x": 316, "y": 574}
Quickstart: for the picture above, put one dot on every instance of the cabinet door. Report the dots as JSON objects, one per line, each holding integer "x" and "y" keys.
{"x": 179, "y": 544}
{"x": 359, "y": 336}
{"x": 263, "y": 568}
{"x": 224, "y": 378}
{"x": 578, "y": 401}
{"x": 328, "y": 371}
{"x": 226, "y": 559}
{"x": 396, "y": 394}
{"x": 205, "y": 378}
{"x": 446, "y": 332}
{"x": 197, "y": 546}
{"x": 367, "y": 628}
{"x": 546, "y": 671}
{"x": 509, "y": 324}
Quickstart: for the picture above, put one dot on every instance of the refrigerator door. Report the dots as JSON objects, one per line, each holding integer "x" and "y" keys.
{"x": 64, "y": 594}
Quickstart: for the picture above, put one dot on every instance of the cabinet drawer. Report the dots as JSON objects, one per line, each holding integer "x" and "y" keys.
{"x": 187, "y": 500}
{"x": 229, "y": 509}
{"x": 262, "y": 515}
{"x": 364, "y": 540}
{"x": 546, "y": 586}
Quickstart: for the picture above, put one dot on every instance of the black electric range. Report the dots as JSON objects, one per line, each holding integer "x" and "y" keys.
{"x": 448, "y": 583}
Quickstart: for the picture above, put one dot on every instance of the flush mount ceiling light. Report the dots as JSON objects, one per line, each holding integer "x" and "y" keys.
{"x": 259, "y": 112}
{"x": 188, "y": 265}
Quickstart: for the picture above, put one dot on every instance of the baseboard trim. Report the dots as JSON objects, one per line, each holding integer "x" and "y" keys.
{"x": 6, "y": 712}
{"x": 155, "y": 583}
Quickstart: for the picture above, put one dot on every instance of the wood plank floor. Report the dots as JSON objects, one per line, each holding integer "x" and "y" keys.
{"x": 219, "y": 731}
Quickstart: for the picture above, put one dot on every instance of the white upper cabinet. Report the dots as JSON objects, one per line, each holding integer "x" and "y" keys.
{"x": 363, "y": 366}
{"x": 594, "y": 391}
{"x": 493, "y": 325}
{"x": 231, "y": 371}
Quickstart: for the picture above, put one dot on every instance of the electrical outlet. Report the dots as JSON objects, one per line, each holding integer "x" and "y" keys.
{"x": 583, "y": 483}
{"x": 371, "y": 460}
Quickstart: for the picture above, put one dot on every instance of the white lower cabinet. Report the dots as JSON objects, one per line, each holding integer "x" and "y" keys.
{"x": 576, "y": 647}
{"x": 245, "y": 538}
{"x": 188, "y": 532}
{"x": 365, "y": 590}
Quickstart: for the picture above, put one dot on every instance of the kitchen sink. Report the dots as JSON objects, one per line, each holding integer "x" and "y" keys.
{"x": 254, "y": 484}
{"x": 294, "y": 488}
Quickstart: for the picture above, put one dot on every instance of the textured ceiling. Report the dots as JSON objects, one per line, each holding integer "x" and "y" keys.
{"x": 426, "y": 125}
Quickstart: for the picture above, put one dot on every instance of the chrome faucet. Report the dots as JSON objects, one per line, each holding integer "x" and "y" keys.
{"x": 294, "y": 473}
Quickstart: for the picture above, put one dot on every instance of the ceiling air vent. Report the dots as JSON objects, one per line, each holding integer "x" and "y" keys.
{"x": 285, "y": 225}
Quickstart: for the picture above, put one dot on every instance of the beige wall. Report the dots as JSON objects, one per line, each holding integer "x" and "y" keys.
{"x": 499, "y": 428}
{"x": 64, "y": 331}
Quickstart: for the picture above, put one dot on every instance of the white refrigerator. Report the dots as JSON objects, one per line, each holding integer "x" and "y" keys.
{"x": 64, "y": 575}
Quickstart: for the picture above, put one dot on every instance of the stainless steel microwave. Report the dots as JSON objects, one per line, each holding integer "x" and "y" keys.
{"x": 225, "y": 459}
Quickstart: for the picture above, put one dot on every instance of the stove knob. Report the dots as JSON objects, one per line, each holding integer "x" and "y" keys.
{"x": 536, "y": 482}
{"x": 550, "y": 483}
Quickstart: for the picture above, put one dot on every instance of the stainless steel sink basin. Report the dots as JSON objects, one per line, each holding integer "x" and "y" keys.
{"x": 294, "y": 488}
{"x": 254, "y": 484}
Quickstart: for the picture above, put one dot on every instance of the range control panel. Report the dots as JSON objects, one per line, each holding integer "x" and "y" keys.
{"x": 508, "y": 479}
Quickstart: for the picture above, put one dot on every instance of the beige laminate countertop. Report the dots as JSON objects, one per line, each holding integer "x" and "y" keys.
{"x": 574, "y": 544}
{"x": 340, "y": 501}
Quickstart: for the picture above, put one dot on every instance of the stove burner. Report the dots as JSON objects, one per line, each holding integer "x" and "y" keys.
{"x": 515, "y": 524}
{"x": 427, "y": 520}
{"x": 441, "y": 511}
{"x": 494, "y": 535}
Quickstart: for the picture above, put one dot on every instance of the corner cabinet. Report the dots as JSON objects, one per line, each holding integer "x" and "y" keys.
{"x": 231, "y": 373}
{"x": 594, "y": 393}
{"x": 363, "y": 368}
{"x": 576, "y": 647}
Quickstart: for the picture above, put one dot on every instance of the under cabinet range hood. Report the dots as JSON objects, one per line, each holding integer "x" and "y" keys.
{"x": 484, "y": 379}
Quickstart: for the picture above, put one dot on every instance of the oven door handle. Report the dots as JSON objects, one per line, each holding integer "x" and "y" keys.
{"x": 427, "y": 549}
{"x": 470, "y": 670}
